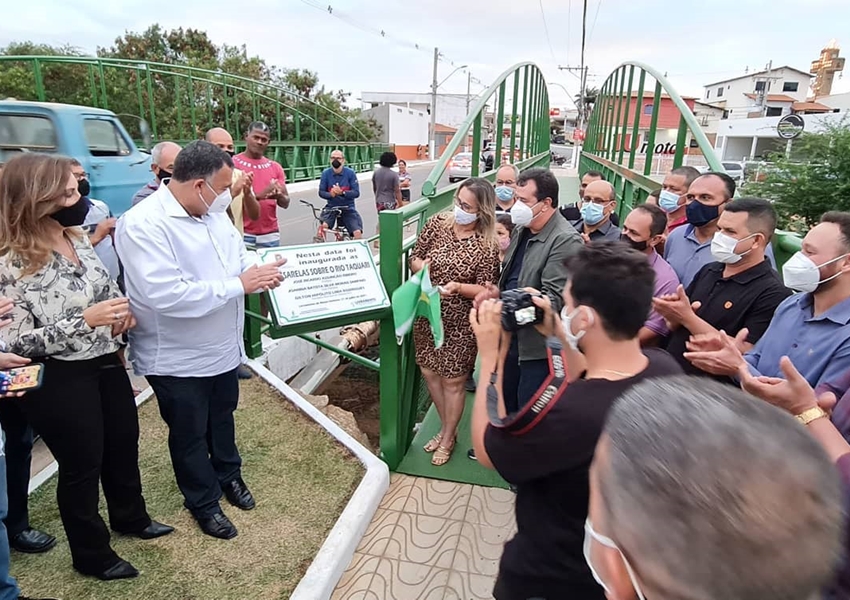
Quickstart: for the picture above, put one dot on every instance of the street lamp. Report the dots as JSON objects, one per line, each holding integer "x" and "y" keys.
{"x": 434, "y": 86}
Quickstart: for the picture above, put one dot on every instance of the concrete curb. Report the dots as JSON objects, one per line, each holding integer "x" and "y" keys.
{"x": 336, "y": 552}
{"x": 51, "y": 469}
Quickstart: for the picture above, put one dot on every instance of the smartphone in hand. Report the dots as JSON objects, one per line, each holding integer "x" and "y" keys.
{"x": 21, "y": 379}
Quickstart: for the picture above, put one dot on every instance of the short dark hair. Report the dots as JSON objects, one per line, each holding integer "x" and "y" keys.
{"x": 761, "y": 216}
{"x": 258, "y": 126}
{"x": 199, "y": 160}
{"x": 659, "y": 218}
{"x": 544, "y": 179}
{"x": 728, "y": 182}
{"x": 842, "y": 219}
{"x": 595, "y": 174}
{"x": 689, "y": 173}
{"x": 388, "y": 159}
{"x": 615, "y": 281}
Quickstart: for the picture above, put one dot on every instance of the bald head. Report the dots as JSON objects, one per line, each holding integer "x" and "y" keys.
{"x": 162, "y": 159}
{"x": 218, "y": 136}
{"x": 599, "y": 191}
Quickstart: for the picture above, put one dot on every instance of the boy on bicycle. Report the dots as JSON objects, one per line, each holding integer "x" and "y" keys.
{"x": 339, "y": 186}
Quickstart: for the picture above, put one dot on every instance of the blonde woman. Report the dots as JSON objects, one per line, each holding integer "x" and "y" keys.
{"x": 462, "y": 252}
{"x": 69, "y": 315}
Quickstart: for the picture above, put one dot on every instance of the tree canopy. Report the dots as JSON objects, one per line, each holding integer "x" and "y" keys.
{"x": 813, "y": 179}
{"x": 291, "y": 101}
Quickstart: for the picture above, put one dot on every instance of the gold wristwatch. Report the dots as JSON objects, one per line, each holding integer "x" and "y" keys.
{"x": 811, "y": 414}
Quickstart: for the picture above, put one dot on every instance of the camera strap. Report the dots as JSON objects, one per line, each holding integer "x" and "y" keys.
{"x": 541, "y": 403}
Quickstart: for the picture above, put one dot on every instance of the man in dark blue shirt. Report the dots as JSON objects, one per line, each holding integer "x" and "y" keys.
{"x": 339, "y": 186}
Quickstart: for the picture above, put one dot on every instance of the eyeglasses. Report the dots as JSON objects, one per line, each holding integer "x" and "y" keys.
{"x": 81, "y": 176}
{"x": 466, "y": 207}
{"x": 505, "y": 182}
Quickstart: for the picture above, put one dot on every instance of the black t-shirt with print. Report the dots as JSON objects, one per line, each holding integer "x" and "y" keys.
{"x": 550, "y": 466}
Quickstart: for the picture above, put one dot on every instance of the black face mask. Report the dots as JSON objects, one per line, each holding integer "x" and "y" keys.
{"x": 230, "y": 153}
{"x": 72, "y": 216}
{"x": 163, "y": 174}
{"x": 699, "y": 214}
{"x": 639, "y": 246}
{"x": 336, "y": 163}
{"x": 84, "y": 187}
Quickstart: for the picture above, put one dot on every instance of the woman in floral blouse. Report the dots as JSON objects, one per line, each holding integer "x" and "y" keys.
{"x": 69, "y": 315}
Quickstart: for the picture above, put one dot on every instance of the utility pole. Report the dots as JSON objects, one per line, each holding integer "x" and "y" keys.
{"x": 468, "y": 93}
{"x": 583, "y": 69}
{"x": 432, "y": 155}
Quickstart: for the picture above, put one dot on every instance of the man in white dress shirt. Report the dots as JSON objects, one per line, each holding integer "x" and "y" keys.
{"x": 186, "y": 272}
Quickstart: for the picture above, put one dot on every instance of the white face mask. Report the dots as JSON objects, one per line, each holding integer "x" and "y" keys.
{"x": 464, "y": 218}
{"x": 801, "y": 274}
{"x": 589, "y": 537}
{"x": 219, "y": 203}
{"x": 521, "y": 214}
{"x": 723, "y": 248}
{"x": 567, "y": 324}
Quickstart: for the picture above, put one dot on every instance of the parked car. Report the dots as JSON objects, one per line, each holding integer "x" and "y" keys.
{"x": 460, "y": 166}
{"x": 735, "y": 170}
{"x": 95, "y": 137}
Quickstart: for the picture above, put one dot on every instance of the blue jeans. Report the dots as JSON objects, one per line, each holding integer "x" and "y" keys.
{"x": 8, "y": 586}
{"x": 351, "y": 219}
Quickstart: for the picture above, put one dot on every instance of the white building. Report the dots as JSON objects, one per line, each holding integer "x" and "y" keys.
{"x": 403, "y": 127}
{"x": 753, "y": 139}
{"x": 771, "y": 92}
{"x": 839, "y": 101}
{"x": 451, "y": 108}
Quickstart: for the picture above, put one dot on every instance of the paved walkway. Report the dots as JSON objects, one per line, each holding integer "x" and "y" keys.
{"x": 431, "y": 540}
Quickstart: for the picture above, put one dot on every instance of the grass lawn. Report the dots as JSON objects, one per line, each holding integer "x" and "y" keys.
{"x": 300, "y": 477}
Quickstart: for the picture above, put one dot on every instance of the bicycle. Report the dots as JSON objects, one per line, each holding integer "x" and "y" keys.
{"x": 339, "y": 232}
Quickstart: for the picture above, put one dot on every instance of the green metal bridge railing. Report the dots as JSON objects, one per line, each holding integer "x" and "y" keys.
{"x": 402, "y": 392}
{"x": 305, "y": 131}
{"x": 621, "y": 145}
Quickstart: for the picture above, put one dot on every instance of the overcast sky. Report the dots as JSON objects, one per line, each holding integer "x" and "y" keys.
{"x": 694, "y": 42}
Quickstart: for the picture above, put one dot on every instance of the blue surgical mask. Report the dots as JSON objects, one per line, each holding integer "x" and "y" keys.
{"x": 504, "y": 193}
{"x": 668, "y": 201}
{"x": 592, "y": 213}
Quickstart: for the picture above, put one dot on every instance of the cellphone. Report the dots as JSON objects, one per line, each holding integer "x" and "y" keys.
{"x": 21, "y": 379}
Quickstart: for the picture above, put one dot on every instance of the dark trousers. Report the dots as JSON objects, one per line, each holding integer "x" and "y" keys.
{"x": 86, "y": 413}
{"x": 521, "y": 379}
{"x": 18, "y": 458}
{"x": 201, "y": 435}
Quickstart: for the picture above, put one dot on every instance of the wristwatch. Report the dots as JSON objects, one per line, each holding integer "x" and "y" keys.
{"x": 811, "y": 414}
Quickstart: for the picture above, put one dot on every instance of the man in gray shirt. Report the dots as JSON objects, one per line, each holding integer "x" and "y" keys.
{"x": 162, "y": 163}
{"x": 598, "y": 206}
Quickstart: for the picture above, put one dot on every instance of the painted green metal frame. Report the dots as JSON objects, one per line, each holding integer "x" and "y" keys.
{"x": 400, "y": 379}
{"x": 605, "y": 147}
{"x": 301, "y": 158}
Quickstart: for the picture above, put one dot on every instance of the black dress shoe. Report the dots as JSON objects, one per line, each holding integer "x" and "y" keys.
{"x": 32, "y": 541}
{"x": 154, "y": 530}
{"x": 238, "y": 495}
{"x": 218, "y": 526}
{"x": 120, "y": 570}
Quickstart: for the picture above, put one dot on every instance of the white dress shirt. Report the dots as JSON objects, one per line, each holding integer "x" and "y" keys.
{"x": 182, "y": 276}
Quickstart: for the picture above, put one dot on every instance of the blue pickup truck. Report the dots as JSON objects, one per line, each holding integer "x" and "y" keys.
{"x": 95, "y": 137}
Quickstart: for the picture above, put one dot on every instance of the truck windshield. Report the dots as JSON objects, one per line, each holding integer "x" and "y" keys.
{"x": 26, "y": 132}
{"x": 104, "y": 138}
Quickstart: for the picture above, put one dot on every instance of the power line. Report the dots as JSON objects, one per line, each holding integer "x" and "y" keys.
{"x": 366, "y": 28}
{"x": 592, "y": 27}
{"x": 569, "y": 26}
{"x": 546, "y": 29}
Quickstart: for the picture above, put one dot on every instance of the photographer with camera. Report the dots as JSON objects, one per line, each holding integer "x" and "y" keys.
{"x": 535, "y": 258}
{"x": 546, "y": 448}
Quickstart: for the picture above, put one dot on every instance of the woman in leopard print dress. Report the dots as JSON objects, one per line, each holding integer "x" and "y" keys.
{"x": 463, "y": 254}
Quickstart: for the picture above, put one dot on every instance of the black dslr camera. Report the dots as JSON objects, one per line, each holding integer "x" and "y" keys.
{"x": 518, "y": 310}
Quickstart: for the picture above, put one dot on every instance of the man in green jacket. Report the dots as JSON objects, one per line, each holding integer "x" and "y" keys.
{"x": 535, "y": 259}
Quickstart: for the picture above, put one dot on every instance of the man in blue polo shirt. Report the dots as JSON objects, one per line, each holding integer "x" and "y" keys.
{"x": 812, "y": 328}
{"x": 688, "y": 248}
{"x": 339, "y": 186}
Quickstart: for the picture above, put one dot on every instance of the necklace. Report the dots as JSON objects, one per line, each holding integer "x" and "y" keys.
{"x": 620, "y": 373}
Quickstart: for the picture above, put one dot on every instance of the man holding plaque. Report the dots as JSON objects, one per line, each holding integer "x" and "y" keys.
{"x": 187, "y": 271}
